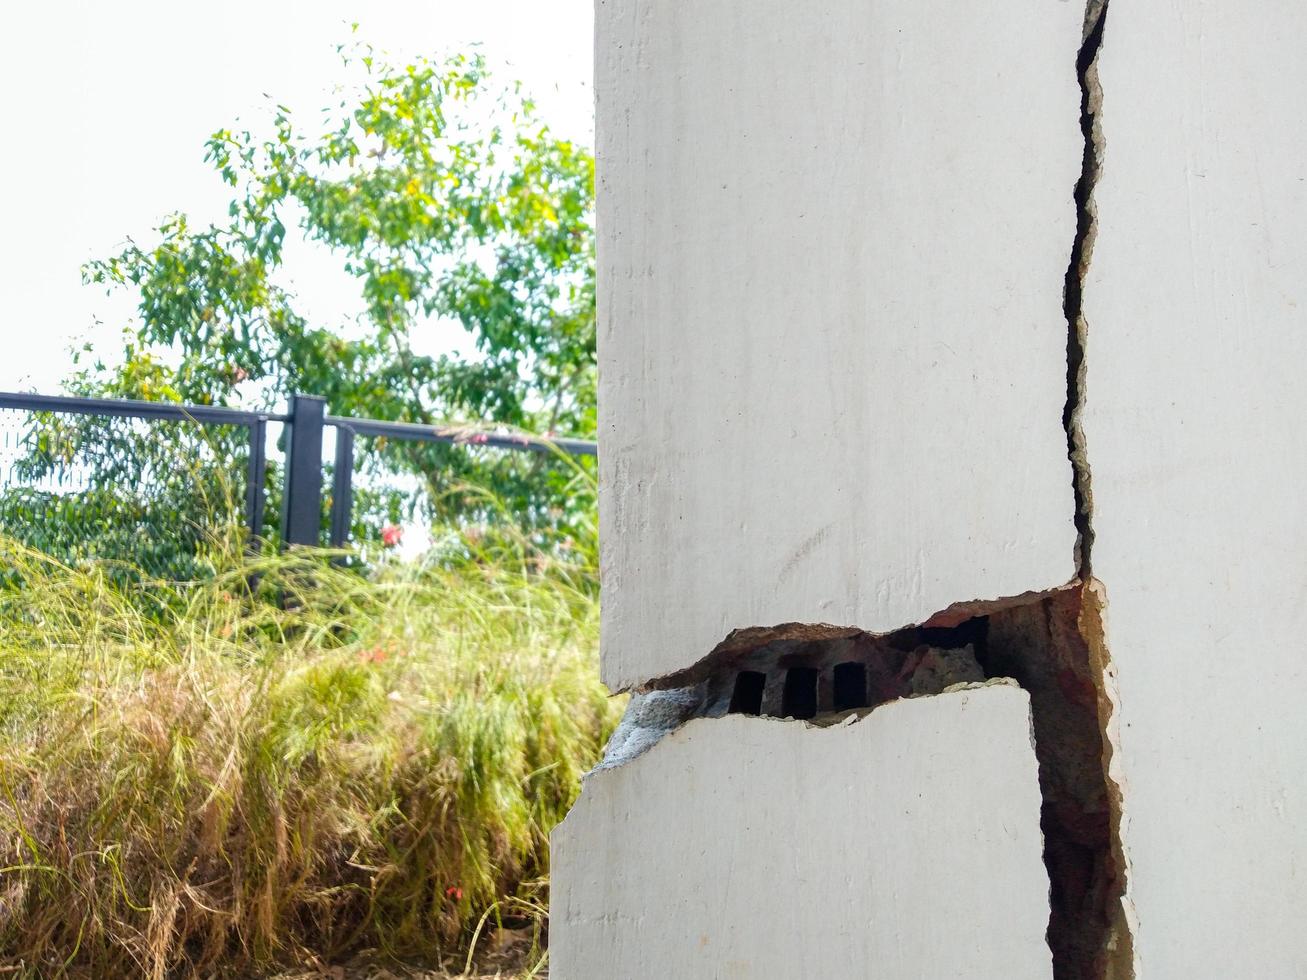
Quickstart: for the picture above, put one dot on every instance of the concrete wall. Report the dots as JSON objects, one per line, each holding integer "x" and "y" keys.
{"x": 1196, "y": 304}
{"x": 831, "y": 258}
{"x": 905, "y": 845}
{"x": 832, "y": 248}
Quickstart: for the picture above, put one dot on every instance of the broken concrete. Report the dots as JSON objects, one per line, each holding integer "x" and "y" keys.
{"x": 803, "y": 679}
{"x": 649, "y": 717}
{"x": 906, "y": 842}
{"x": 1045, "y": 647}
{"x": 1049, "y": 644}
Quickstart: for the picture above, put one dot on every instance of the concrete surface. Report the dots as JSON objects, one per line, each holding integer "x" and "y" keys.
{"x": 832, "y": 243}
{"x": 1196, "y": 305}
{"x": 831, "y": 253}
{"x": 905, "y": 845}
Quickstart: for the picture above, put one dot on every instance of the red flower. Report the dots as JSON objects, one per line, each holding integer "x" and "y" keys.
{"x": 454, "y": 892}
{"x": 391, "y": 535}
{"x": 374, "y": 656}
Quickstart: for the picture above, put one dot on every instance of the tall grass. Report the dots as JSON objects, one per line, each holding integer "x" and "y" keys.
{"x": 213, "y": 778}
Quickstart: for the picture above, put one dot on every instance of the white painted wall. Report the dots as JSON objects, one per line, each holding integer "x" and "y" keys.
{"x": 832, "y": 248}
{"x": 832, "y": 243}
{"x": 1197, "y": 433}
{"x": 905, "y": 846}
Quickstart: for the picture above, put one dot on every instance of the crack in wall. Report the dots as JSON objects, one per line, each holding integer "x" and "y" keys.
{"x": 1116, "y": 957}
{"x": 1051, "y": 643}
{"x": 1082, "y": 250}
{"x": 803, "y": 672}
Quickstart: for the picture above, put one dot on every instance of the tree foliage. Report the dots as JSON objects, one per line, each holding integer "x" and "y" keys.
{"x": 446, "y": 201}
{"x": 445, "y": 198}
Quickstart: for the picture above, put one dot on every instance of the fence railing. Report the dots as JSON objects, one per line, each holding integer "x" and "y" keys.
{"x": 305, "y": 422}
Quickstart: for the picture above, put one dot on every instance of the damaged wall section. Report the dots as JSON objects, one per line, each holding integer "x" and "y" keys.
{"x": 1049, "y": 644}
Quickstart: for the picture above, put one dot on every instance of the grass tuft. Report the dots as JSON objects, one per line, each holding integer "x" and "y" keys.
{"x": 213, "y": 779}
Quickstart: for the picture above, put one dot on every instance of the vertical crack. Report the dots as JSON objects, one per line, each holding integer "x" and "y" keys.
{"x": 1081, "y": 253}
{"x": 1114, "y": 959}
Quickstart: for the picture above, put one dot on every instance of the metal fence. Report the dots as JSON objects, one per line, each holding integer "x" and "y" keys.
{"x": 305, "y": 422}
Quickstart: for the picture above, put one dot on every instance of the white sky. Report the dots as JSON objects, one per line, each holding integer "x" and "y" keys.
{"x": 106, "y": 107}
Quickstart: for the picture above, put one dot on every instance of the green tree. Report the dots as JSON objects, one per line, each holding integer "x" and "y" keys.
{"x": 446, "y": 199}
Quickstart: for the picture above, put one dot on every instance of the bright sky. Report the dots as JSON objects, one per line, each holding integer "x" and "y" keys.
{"x": 107, "y": 106}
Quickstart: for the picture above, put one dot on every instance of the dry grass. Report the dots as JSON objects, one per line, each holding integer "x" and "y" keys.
{"x": 196, "y": 780}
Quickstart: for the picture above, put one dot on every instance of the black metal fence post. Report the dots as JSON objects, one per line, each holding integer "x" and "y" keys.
{"x": 302, "y": 508}
{"x": 256, "y": 494}
{"x": 342, "y": 492}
